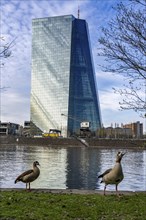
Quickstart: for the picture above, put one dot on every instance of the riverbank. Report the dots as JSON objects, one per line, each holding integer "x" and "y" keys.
{"x": 22, "y": 205}
{"x": 72, "y": 191}
{"x": 94, "y": 142}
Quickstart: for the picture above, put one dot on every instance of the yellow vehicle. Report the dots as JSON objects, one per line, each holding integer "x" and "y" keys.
{"x": 52, "y": 133}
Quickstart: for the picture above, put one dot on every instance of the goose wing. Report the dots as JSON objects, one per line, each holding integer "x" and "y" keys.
{"x": 106, "y": 172}
{"x": 19, "y": 178}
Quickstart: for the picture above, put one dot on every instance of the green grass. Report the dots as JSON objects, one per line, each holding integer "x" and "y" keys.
{"x": 38, "y": 206}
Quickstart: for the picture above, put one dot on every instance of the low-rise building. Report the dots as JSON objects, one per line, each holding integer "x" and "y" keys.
{"x": 137, "y": 129}
{"x": 118, "y": 132}
{"x": 26, "y": 128}
{"x": 132, "y": 130}
{"x": 8, "y": 128}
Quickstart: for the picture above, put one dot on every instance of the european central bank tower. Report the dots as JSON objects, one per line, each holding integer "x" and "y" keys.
{"x": 63, "y": 85}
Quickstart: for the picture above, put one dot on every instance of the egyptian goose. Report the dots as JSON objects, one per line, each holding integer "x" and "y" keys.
{"x": 29, "y": 175}
{"x": 114, "y": 175}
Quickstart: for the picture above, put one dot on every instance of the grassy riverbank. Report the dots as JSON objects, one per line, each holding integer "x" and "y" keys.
{"x": 22, "y": 205}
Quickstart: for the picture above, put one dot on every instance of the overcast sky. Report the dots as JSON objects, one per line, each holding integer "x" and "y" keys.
{"x": 16, "y": 20}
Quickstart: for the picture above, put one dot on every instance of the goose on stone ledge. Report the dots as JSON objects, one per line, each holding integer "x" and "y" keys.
{"x": 29, "y": 175}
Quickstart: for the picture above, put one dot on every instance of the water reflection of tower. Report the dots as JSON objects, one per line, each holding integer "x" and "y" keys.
{"x": 83, "y": 164}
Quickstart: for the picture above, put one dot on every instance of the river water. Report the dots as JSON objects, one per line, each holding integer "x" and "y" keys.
{"x": 71, "y": 168}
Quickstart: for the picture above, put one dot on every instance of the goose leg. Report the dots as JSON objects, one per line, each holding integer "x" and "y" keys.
{"x": 29, "y": 186}
{"x": 117, "y": 190}
{"x": 26, "y": 186}
{"x": 104, "y": 189}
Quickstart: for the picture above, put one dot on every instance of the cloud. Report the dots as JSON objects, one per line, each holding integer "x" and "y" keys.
{"x": 12, "y": 110}
{"x": 109, "y": 100}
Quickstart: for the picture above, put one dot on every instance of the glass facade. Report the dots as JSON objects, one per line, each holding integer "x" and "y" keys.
{"x": 63, "y": 87}
{"x": 83, "y": 98}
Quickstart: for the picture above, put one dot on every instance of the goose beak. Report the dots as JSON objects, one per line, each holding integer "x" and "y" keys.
{"x": 123, "y": 154}
{"x": 37, "y": 163}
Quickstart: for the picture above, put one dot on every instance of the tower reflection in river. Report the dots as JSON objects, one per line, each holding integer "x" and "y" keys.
{"x": 83, "y": 165}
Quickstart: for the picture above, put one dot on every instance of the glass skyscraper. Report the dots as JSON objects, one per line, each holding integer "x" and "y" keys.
{"x": 63, "y": 85}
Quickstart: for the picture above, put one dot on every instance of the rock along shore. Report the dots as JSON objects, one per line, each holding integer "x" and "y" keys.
{"x": 69, "y": 142}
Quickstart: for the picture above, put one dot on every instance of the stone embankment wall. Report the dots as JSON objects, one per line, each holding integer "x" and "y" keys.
{"x": 139, "y": 144}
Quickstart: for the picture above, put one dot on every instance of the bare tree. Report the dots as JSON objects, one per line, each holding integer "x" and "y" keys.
{"x": 5, "y": 52}
{"x": 123, "y": 44}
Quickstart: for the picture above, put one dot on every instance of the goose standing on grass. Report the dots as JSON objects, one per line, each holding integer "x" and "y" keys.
{"x": 29, "y": 175}
{"x": 114, "y": 175}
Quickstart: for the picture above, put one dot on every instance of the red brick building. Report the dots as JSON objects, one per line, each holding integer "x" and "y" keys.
{"x": 137, "y": 129}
